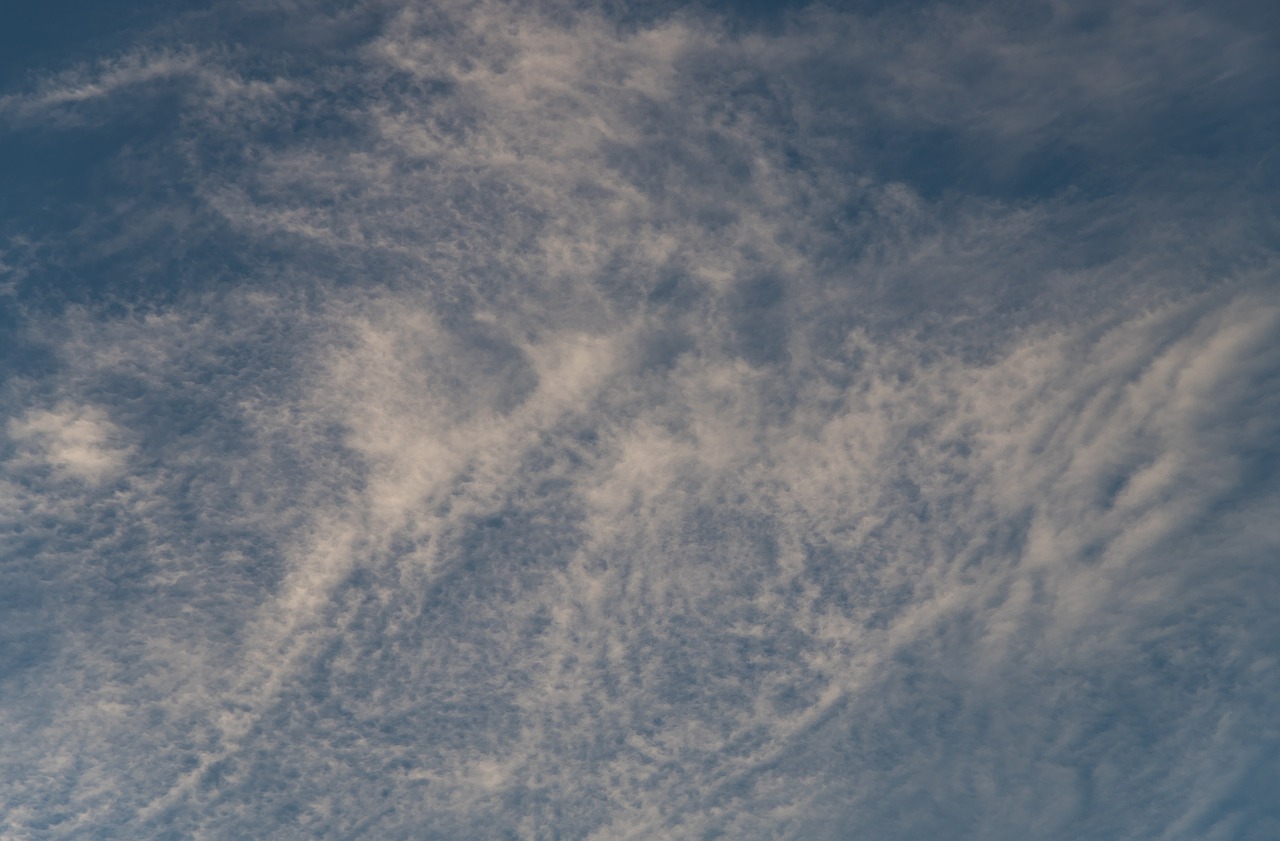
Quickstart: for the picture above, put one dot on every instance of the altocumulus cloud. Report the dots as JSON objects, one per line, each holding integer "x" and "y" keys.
{"x": 527, "y": 420}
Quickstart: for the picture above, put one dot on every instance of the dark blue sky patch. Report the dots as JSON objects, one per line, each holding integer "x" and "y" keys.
{"x": 39, "y": 36}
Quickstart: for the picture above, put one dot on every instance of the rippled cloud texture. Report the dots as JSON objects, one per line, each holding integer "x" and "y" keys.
{"x": 505, "y": 420}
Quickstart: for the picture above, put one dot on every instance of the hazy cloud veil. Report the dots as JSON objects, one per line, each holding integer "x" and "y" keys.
{"x": 469, "y": 420}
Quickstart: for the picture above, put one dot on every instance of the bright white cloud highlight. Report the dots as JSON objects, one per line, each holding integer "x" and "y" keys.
{"x": 75, "y": 441}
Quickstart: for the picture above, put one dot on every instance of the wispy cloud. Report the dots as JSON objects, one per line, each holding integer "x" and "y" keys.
{"x": 550, "y": 426}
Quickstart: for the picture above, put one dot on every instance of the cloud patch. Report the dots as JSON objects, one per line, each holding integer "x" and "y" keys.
{"x": 73, "y": 441}
{"x": 507, "y": 420}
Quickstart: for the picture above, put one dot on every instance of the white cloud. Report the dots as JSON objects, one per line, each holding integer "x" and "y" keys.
{"x": 75, "y": 441}
{"x": 597, "y": 440}
{"x": 88, "y": 84}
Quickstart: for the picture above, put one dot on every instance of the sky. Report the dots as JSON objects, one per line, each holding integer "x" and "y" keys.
{"x": 543, "y": 419}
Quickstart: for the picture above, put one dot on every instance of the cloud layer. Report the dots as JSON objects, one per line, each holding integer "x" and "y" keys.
{"x": 510, "y": 420}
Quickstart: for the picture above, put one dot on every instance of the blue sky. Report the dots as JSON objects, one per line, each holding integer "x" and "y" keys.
{"x": 536, "y": 420}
